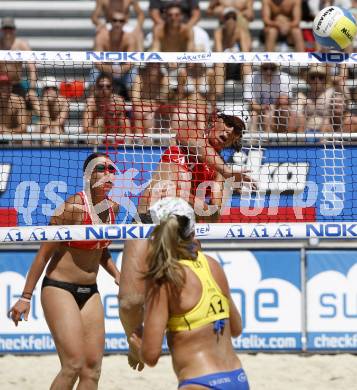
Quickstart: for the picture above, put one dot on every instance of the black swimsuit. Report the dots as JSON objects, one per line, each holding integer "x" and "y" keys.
{"x": 81, "y": 293}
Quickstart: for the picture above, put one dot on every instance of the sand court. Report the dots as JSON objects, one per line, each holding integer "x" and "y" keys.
{"x": 265, "y": 372}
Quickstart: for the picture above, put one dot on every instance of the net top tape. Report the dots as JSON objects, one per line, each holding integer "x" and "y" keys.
{"x": 177, "y": 57}
{"x": 215, "y": 231}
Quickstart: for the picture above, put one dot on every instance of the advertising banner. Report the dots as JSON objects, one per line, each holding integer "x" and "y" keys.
{"x": 294, "y": 184}
{"x": 332, "y": 300}
{"x": 265, "y": 285}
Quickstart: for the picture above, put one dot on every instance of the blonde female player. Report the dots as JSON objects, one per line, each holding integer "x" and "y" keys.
{"x": 69, "y": 296}
{"x": 187, "y": 294}
{"x": 194, "y": 160}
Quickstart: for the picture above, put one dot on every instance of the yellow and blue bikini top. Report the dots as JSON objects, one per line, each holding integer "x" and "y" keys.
{"x": 213, "y": 305}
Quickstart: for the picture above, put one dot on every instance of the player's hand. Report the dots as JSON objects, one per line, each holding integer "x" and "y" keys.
{"x": 241, "y": 175}
{"x": 245, "y": 179}
{"x": 135, "y": 342}
{"x": 19, "y": 310}
{"x": 134, "y": 360}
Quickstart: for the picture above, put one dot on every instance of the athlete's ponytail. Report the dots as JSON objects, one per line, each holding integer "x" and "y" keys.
{"x": 167, "y": 246}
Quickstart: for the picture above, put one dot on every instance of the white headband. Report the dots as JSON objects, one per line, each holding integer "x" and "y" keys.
{"x": 166, "y": 207}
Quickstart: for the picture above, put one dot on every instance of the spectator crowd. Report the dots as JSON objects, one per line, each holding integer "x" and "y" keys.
{"x": 133, "y": 100}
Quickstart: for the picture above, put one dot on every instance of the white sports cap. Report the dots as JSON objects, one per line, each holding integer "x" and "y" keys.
{"x": 166, "y": 207}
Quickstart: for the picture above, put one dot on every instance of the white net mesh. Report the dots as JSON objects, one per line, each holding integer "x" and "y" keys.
{"x": 275, "y": 131}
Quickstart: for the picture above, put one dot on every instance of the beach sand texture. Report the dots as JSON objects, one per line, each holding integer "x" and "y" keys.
{"x": 265, "y": 372}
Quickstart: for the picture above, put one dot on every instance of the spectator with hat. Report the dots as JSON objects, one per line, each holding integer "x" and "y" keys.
{"x": 13, "y": 116}
{"x": 9, "y": 41}
{"x": 54, "y": 109}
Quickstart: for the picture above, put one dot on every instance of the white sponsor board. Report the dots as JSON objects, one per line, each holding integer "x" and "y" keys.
{"x": 332, "y": 300}
{"x": 270, "y": 304}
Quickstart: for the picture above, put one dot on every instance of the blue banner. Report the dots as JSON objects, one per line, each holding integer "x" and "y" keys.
{"x": 296, "y": 184}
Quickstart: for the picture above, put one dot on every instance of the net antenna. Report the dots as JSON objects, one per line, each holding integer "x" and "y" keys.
{"x": 279, "y": 164}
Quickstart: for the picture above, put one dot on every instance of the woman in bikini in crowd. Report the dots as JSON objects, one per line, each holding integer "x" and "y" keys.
{"x": 187, "y": 296}
{"x": 69, "y": 296}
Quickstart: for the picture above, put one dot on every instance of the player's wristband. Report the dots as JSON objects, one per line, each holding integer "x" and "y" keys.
{"x": 25, "y": 300}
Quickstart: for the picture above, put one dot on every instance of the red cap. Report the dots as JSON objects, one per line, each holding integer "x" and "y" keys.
{"x": 4, "y": 78}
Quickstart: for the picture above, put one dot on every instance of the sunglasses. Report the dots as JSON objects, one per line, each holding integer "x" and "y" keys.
{"x": 105, "y": 168}
{"x": 230, "y": 16}
{"x": 317, "y": 77}
{"x": 174, "y": 14}
{"x": 268, "y": 67}
{"x": 118, "y": 20}
{"x": 104, "y": 86}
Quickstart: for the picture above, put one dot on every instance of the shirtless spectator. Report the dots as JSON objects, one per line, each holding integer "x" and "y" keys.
{"x": 282, "y": 20}
{"x": 114, "y": 38}
{"x": 173, "y": 35}
{"x": 244, "y": 15}
{"x": 229, "y": 38}
{"x": 105, "y": 8}
{"x": 13, "y": 116}
{"x": 105, "y": 111}
{"x": 9, "y": 41}
{"x": 150, "y": 93}
{"x": 190, "y": 11}
{"x": 54, "y": 110}
{"x": 191, "y": 15}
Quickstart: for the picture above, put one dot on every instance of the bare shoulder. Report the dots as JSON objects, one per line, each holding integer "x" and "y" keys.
{"x": 90, "y": 103}
{"x": 218, "y": 274}
{"x": 114, "y": 205}
{"x": 101, "y": 39}
{"x": 20, "y": 44}
{"x": 70, "y": 212}
{"x": 129, "y": 41}
{"x": 63, "y": 102}
{"x": 159, "y": 30}
{"x": 16, "y": 101}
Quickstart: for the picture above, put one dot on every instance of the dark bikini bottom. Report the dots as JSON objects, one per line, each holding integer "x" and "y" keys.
{"x": 81, "y": 293}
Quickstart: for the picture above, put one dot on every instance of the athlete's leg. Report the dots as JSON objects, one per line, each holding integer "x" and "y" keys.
{"x": 132, "y": 289}
{"x": 64, "y": 320}
{"x": 93, "y": 329}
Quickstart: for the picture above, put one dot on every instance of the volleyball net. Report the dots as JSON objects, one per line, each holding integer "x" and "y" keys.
{"x": 263, "y": 145}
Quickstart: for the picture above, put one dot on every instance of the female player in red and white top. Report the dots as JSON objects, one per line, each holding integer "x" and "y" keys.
{"x": 69, "y": 296}
{"x": 183, "y": 167}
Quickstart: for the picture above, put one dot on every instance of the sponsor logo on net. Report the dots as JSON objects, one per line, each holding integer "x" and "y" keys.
{"x": 284, "y": 230}
{"x": 12, "y": 55}
{"x": 123, "y": 56}
{"x": 234, "y": 231}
